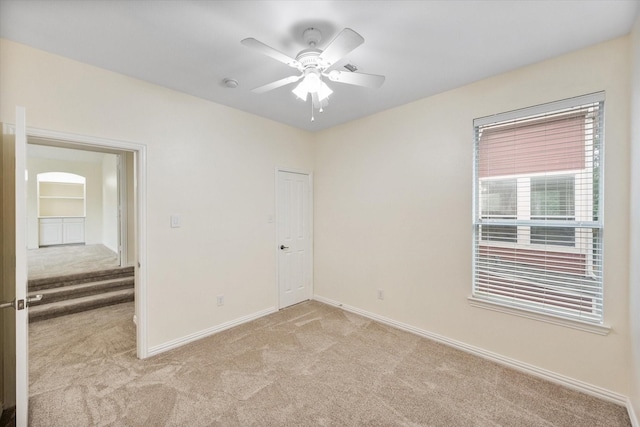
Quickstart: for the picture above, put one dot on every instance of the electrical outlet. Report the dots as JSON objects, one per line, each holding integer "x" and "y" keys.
{"x": 380, "y": 294}
{"x": 220, "y": 299}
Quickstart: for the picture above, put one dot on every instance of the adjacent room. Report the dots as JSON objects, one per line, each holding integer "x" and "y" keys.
{"x": 335, "y": 212}
{"x": 76, "y": 230}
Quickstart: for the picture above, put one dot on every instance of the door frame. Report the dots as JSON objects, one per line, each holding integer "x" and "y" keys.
{"x": 123, "y": 208}
{"x": 139, "y": 151}
{"x": 277, "y": 228}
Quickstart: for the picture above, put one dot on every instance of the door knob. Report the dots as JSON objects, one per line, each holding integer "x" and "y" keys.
{"x": 8, "y": 304}
{"x": 19, "y": 304}
{"x": 32, "y": 299}
{"x": 283, "y": 247}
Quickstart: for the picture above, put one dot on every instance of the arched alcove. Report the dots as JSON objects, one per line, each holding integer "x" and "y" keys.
{"x": 61, "y": 177}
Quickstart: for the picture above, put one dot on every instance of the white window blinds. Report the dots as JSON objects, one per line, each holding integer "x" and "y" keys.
{"x": 537, "y": 209}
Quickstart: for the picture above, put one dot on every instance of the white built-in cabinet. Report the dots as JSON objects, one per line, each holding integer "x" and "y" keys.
{"x": 61, "y": 212}
{"x": 61, "y": 231}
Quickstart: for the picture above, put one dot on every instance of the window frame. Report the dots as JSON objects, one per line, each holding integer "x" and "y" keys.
{"x": 523, "y": 209}
{"x": 594, "y": 225}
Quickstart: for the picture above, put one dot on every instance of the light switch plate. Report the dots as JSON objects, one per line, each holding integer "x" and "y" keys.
{"x": 176, "y": 221}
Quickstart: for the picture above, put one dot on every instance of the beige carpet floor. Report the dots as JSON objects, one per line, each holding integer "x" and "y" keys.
{"x": 55, "y": 261}
{"x": 308, "y": 365}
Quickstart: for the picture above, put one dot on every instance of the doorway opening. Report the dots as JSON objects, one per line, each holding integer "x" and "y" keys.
{"x": 77, "y": 229}
{"x": 99, "y": 218}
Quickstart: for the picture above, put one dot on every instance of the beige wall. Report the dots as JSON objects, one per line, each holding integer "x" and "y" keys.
{"x": 634, "y": 233}
{"x": 211, "y": 164}
{"x": 393, "y": 211}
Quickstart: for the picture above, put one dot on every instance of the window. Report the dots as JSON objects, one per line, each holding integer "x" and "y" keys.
{"x": 537, "y": 221}
{"x": 553, "y": 198}
{"x": 499, "y": 201}
{"x": 539, "y": 198}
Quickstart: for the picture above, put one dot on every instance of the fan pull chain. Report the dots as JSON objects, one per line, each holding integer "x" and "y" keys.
{"x": 312, "y": 118}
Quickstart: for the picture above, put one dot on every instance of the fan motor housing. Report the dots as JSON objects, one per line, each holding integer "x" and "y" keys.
{"x": 309, "y": 57}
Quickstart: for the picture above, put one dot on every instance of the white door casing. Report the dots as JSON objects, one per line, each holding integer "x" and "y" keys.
{"x": 294, "y": 237}
{"x": 139, "y": 151}
{"x": 122, "y": 205}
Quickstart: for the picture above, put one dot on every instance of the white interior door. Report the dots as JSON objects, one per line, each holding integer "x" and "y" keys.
{"x": 14, "y": 272}
{"x": 22, "y": 316}
{"x": 294, "y": 238}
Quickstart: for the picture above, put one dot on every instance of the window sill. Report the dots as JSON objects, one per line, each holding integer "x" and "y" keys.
{"x": 574, "y": 324}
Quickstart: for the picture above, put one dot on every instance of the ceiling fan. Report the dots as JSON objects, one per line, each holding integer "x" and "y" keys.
{"x": 315, "y": 64}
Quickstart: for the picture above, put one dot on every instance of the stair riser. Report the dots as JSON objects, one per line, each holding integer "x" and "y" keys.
{"x": 77, "y": 293}
{"x": 58, "y": 282}
{"x": 34, "y": 317}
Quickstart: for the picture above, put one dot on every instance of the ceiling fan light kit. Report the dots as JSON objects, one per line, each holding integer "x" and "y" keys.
{"x": 314, "y": 64}
{"x": 312, "y": 83}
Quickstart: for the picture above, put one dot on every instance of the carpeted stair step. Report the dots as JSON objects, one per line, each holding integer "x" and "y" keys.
{"x": 74, "y": 293}
{"x": 36, "y": 285}
{"x": 84, "y": 289}
{"x": 76, "y": 305}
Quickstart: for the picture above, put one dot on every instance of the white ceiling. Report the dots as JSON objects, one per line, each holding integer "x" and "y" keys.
{"x": 422, "y": 47}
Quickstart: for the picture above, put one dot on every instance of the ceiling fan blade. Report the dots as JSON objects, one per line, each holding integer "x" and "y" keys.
{"x": 269, "y": 51}
{"x": 358, "y": 79}
{"x": 276, "y": 84}
{"x": 344, "y": 43}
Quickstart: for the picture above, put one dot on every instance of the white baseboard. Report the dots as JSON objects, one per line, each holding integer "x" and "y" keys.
{"x": 632, "y": 414}
{"x": 207, "y": 332}
{"x": 572, "y": 383}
